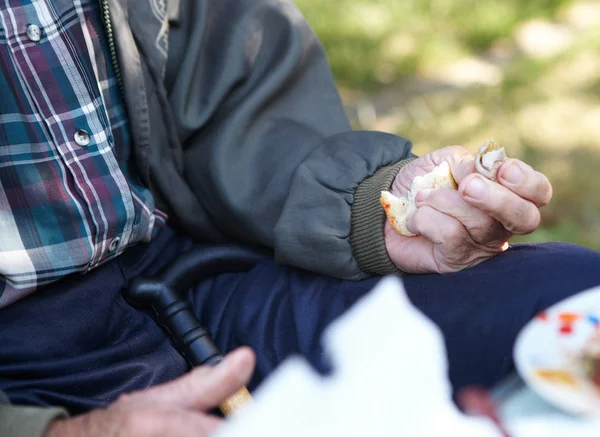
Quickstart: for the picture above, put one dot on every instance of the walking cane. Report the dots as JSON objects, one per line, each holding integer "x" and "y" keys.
{"x": 175, "y": 314}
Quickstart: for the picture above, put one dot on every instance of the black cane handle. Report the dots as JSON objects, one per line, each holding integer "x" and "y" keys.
{"x": 191, "y": 339}
{"x": 205, "y": 262}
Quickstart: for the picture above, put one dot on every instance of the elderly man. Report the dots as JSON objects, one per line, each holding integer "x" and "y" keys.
{"x": 133, "y": 131}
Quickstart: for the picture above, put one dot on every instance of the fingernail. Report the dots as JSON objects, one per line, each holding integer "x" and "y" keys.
{"x": 513, "y": 174}
{"x": 423, "y": 195}
{"x": 476, "y": 189}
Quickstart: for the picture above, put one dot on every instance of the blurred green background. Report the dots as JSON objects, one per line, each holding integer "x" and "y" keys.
{"x": 442, "y": 72}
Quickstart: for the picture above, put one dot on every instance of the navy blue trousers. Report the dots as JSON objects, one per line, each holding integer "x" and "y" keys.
{"x": 78, "y": 344}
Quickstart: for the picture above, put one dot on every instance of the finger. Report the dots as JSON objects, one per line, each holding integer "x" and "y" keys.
{"x": 461, "y": 161}
{"x": 448, "y": 236}
{"x": 206, "y": 387}
{"x": 451, "y": 246}
{"x": 523, "y": 180}
{"x": 482, "y": 228}
{"x": 436, "y": 226}
{"x": 517, "y": 215}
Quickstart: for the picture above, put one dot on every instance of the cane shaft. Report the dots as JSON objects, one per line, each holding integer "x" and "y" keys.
{"x": 237, "y": 400}
{"x": 192, "y": 340}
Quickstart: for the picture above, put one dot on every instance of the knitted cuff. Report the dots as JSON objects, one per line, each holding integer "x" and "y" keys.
{"x": 368, "y": 219}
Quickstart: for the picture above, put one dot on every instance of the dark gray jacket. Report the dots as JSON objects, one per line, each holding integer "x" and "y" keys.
{"x": 240, "y": 133}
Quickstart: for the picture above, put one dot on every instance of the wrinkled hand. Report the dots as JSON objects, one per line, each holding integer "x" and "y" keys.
{"x": 459, "y": 229}
{"x": 174, "y": 409}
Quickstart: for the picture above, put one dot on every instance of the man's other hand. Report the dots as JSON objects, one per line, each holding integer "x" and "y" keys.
{"x": 459, "y": 229}
{"x": 174, "y": 409}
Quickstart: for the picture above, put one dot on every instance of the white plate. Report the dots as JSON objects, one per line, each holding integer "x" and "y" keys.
{"x": 548, "y": 348}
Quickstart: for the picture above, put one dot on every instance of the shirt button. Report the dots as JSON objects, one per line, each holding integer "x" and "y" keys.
{"x": 114, "y": 244}
{"x": 34, "y": 32}
{"x": 82, "y": 137}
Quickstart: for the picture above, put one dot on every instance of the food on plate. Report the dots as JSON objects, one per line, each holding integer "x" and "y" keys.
{"x": 397, "y": 209}
{"x": 591, "y": 358}
{"x": 557, "y": 376}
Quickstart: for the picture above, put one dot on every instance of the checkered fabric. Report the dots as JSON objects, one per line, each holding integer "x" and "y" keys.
{"x": 70, "y": 198}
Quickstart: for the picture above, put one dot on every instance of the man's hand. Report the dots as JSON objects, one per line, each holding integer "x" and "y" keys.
{"x": 459, "y": 229}
{"x": 175, "y": 409}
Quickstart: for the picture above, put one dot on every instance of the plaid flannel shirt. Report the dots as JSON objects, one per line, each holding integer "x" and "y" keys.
{"x": 70, "y": 199}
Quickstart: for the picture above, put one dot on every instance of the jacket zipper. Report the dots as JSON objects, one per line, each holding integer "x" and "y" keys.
{"x": 112, "y": 48}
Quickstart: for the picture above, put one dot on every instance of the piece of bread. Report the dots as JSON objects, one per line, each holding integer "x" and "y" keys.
{"x": 397, "y": 209}
{"x": 489, "y": 159}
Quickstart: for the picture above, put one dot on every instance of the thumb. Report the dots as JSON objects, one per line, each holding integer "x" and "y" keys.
{"x": 461, "y": 161}
{"x": 206, "y": 387}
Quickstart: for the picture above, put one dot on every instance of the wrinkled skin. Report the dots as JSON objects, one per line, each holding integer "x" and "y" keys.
{"x": 175, "y": 409}
{"x": 459, "y": 229}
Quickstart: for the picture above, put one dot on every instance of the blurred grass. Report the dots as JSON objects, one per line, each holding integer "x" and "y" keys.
{"x": 366, "y": 38}
{"x": 444, "y": 72}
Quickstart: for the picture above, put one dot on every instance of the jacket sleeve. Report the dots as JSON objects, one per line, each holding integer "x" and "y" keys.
{"x": 21, "y": 421}
{"x": 268, "y": 149}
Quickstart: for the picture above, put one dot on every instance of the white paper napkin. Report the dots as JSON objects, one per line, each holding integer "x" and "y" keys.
{"x": 389, "y": 379}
